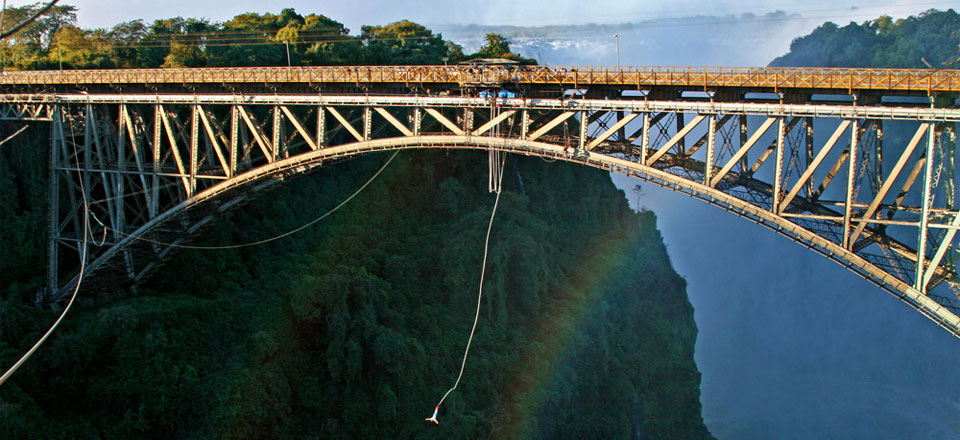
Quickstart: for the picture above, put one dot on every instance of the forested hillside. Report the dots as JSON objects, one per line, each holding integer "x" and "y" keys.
{"x": 354, "y": 328}
{"x": 927, "y": 40}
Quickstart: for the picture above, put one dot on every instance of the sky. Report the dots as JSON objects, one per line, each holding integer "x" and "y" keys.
{"x": 106, "y": 13}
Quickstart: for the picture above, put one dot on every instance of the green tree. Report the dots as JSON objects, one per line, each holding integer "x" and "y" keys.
{"x": 124, "y": 39}
{"x": 78, "y": 49}
{"x": 402, "y": 42}
{"x": 933, "y": 36}
{"x": 497, "y": 46}
{"x": 184, "y": 37}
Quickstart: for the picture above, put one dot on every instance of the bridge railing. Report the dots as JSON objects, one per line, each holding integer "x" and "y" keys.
{"x": 922, "y": 80}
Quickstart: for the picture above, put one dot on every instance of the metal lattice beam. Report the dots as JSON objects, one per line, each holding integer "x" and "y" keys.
{"x": 153, "y": 181}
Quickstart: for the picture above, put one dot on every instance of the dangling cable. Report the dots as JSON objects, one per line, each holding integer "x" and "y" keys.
{"x": 476, "y": 317}
{"x": 76, "y": 288}
{"x": 266, "y": 240}
{"x": 103, "y": 240}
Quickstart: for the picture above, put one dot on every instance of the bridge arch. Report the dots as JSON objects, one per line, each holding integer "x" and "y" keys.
{"x": 937, "y": 312}
{"x": 888, "y": 208}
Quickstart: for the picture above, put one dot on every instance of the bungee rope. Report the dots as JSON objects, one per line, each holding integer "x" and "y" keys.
{"x": 495, "y": 186}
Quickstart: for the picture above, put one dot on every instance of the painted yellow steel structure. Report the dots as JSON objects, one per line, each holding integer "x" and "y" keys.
{"x": 161, "y": 153}
{"x": 706, "y": 78}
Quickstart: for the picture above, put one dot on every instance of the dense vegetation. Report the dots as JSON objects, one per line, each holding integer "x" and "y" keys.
{"x": 355, "y": 328}
{"x": 930, "y": 39}
{"x": 250, "y": 39}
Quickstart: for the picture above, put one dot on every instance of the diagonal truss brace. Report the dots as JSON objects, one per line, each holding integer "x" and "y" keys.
{"x": 888, "y": 183}
{"x": 743, "y": 150}
{"x": 675, "y": 139}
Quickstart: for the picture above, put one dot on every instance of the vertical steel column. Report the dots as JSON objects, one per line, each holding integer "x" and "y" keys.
{"x": 234, "y": 139}
{"x": 120, "y": 219}
{"x": 851, "y": 181}
{"x": 120, "y": 189}
{"x": 275, "y": 140}
{"x": 925, "y": 207}
{"x": 194, "y": 147}
{"x": 367, "y": 123}
{"x": 321, "y": 127}
{"x": 711, "y": 140}
{"x": 948, "y": 155}
{"x": 743, "y": 141}
{"x": 778, "y": 163}
{"x": 584, "y": 122}
{"x": 53, "y": 196}
{"x": 468, "y": 119}
{"x": 417, "y": 120}
{"x": 525, "y": 124}
{"x": 645, "y": 138}
{"x": 808, "y": 135}
{"x": 157, "y": 136}
{"x": 681, "y": 143}
{"x": 621, "y": 133}
{"x": 878, "y": 130}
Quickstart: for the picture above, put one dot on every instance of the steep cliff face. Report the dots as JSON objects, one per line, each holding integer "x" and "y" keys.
{"x": 355, "y": 328}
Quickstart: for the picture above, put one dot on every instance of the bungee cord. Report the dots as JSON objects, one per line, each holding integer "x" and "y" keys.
{"x": 496, "y": 169}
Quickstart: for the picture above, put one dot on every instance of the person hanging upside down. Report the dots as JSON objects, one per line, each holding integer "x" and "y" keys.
{"x": 433, "y": 418}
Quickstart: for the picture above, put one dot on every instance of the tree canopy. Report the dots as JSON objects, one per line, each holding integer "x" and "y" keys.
{"x": 498, "y": 46}
{"x": 930, "y": 39}
{"x": 251, "y": 39}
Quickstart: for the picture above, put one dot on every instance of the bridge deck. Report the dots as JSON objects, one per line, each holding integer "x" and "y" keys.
{"x": 746, "y": 79}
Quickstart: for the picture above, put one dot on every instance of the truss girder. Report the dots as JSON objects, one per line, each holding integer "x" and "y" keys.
{"x": 157, "y": 170}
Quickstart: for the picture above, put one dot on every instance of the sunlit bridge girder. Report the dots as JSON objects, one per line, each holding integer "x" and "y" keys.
{"x": 871, "y": 187}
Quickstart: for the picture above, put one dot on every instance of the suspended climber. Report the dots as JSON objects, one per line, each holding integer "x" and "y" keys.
{"x": 433, "y": 418}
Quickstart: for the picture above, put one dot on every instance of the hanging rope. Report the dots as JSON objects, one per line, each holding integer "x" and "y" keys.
{"x": 495, "y": 175}
{"x": 266, "y": 240}
{"x": 483, "y": 269}
{"x": 76, "y": 288}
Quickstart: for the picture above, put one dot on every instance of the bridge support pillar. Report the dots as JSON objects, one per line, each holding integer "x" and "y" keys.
{"x": 53, "y": 205}
{"x": 925, "y": 209}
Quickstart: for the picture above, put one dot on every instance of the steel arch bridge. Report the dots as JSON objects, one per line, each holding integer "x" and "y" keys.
{"x": 840, "y": 161}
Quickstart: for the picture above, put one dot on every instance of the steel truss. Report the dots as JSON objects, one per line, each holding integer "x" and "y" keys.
{"x": 842, "y": 180}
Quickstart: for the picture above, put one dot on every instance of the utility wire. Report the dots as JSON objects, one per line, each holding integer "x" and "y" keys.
{"x": 149, "y": 44}
{"x": 8, "y": 138}
{"x": 266, "y": 240}
{"x": 76, "y": 288}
